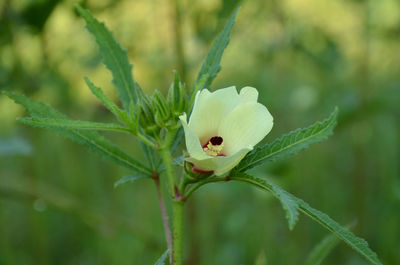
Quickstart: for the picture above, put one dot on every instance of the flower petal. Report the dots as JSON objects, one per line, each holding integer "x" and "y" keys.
{"x": 209, "y": 109}
{"x": 245, "y": 126}
{"x": 193, "y": 145}
{"x": 219, "y": 164}
{"x": 248, "y": 94}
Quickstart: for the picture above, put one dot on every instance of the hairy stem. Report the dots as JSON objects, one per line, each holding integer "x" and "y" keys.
{"x": 169, "y": 168}
{"x": 177, "y": 199}
{"x": 177, "y": 253}
{"x": 164, "y": 215}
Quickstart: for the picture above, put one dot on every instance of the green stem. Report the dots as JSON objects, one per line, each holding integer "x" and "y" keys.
{"x": 177, "y": 234}
{"x": 178, "y": 199}
{"x": 164, "y": 215}
{"x": 165, "y": 153}
{"x": 199, "y": 184}
{"x": 145, "y": 140}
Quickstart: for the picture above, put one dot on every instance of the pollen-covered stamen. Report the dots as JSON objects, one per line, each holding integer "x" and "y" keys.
{"x": 214, "y": 146}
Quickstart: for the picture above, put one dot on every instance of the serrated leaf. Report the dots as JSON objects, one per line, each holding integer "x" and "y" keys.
{"x": 211, "y": 65}
{"x": 320, "y": 251}
{"x": 114, "y": 57}
{"x": 129, "y": 178}
{"x": 290, "y": 143}
{"x": 92, "y": 140}
{"x": 108, "y": 103}
{"x": 289, "y": 205}
{"x": 323, "y": 248}
{"x": 72, "y": 124}
{"x": 161, "y": 260}
{"x": 357, "y": 243}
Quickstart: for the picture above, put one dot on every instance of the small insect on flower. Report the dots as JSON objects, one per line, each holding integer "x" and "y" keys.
{"x": 223, "y": 127}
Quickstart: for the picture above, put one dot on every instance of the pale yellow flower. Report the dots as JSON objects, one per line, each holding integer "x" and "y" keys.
{"x": 223, "y": 127}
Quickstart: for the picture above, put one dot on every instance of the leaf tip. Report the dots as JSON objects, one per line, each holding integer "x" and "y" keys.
{"x": 79, "y": 9}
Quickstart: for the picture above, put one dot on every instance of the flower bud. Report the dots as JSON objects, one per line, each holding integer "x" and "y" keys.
{"x": 162, "y": 112}
{"x": 177, "y": 97}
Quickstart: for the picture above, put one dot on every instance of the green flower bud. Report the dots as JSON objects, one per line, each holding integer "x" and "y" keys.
{"x": 177, "y": 97}
{"x": 162, "y": 112}
{"x": 146, "y": 114}
{"x": 132, "y": 117}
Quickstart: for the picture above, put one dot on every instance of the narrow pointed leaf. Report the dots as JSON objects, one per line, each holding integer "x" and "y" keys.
{"x": 161, "y": 260}
{"x": 108, "y": 103}
{"x": 72, "y": 124}
{"x": 151, "y": 156}
{"x": 290, "y": 143}
{"x": 357, "y": 243}
{"x": 114, "y": 57}
{"x": 211, "y": 65}
{"x": 321, "y": 251}
{"x": 92, "y": 140}
{"x": 289, "y": 205}
{"x": 129, "y": 178}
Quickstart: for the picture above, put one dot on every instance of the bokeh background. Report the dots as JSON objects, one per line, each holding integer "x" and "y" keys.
{"x": 57, "y": 201}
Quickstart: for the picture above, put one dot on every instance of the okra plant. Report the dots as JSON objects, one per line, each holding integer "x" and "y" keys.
{"x": 221, "y": 130}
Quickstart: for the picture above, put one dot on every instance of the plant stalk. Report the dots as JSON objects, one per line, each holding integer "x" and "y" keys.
{"x": 177, "y": 200}
{"x": 167, "y": 230}
{"x": 165, "y": 153}
{"x": 177, "y": 235}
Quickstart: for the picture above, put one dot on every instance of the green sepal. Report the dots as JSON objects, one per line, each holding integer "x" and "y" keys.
{"x": 133, "y": 117}
{"x": 194, "y": 175}
{"x": 161, "y": 109}
{"x": 177, "y": 96}
{"x": 147, "y": 114}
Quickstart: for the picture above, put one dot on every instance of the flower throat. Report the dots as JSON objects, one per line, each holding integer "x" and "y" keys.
{"x": 214, "y": 146}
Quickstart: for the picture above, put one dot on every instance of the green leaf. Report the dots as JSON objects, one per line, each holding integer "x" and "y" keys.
{"x": 211, "y": 65}
{"x": 114, "y": 57}
{"x": 151, "y": 156}
{"x": 92, "y": 140}
{"x": 320, "y": 251}
{"x": 290, "y": 143}
{"x": 110, "y": 105}
{"x": 72, "y": 124}
{"x": 161, "y": 260}
{"x": 289, "y": 205}
{"x": 357, "y": 243}
{"x": 129, "y": 178}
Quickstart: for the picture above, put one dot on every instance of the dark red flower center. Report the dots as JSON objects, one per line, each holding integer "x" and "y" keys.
{"x": 216, "y": 140}
{"x": 214, "y": 146}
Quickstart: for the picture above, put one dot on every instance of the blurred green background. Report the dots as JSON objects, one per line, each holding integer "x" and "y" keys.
{"x": 57, "y": 201}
